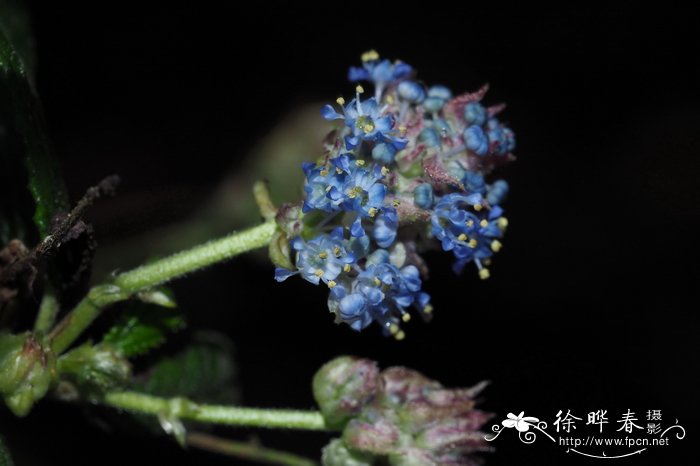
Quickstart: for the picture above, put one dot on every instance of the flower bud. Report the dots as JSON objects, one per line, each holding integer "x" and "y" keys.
{"x": 433, "y": 104}
{"x": 475, "y": 139}
{"x": 343, "y": 387}
{"x": 423, "y": 196}
{"x": 336, "y": 453}
{"x": 28, "y": 369}
{"x": 497, "y": 192}
{"x": 440, "y": 92}
{"x": 380, "y": 437}
{"x": 474, "y": 114}
{"x": 411, "y": 91}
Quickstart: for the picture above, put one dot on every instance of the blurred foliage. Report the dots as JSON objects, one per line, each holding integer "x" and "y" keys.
{"x": 143, "y": 327}
{"x": 203, "y": 371}
{"x": 36, "y": 184}
{"x": 15, "y": 23}
{"x": 5, "y": 458}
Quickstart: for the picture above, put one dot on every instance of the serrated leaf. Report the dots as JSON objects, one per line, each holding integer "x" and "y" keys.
{"x": 143, "y": 327}
{"x": 5, "y": 458}
{"x": 203, "y": 371}
{"x": 34, "y": 182}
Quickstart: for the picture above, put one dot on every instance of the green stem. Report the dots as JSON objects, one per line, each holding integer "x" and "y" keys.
{"x": 154, "y": 274}
{"x": 47, "y": 313}
{"x": 185, "y": 409}
{"x": 245, "y": 450}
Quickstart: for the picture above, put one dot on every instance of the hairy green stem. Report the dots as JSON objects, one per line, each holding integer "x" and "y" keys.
{"x": 245, "y": 450}
{"x": 154, "y": 274}
{"x": 184, "y": 409}
{"x": 47, "y": 313}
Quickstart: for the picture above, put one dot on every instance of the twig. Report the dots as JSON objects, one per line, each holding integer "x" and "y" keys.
{"x": 245, "y": 450}
{"x": 60, "y": 231}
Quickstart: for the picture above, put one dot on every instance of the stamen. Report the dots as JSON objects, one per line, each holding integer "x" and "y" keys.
{"x": 484, "y": 223}
{"x": 337, "y": 251}
{"x": 470, "y": 223}
{"x": 478, "y": 207}
{"x": 496, "y": 245}
{"x": 370, "y": 55}
{"x": 359, "y": 89}
{"x": 324, "y": 172}
{"x": 484, "y": 273}
{"x": 347, "y": 268}
{"x": 396, "y": 203}
{"x": 390, "y": 99}
{"x": 372, "y": 212}
{"x": 462, "y": 237}
{"x": 385, "y": 171}
{"x": 318, "y": 273}
{"x": 502, "y": 223}
{"x": 428, "y": 309}
{"x": 377, "y": 281}
{"x": 406, "y": 317}
{"x": 331, "y": 284}
{"x": 400, "y": 335}
{"x": 472, "y": 243}
{"x": 359, "y": 163}
{"x": 340, "y": 101}
{"x": 393, "y": 328}
{"x": 323, "y": 255}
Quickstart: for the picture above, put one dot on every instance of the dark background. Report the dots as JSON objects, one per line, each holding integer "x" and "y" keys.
{"x": 591, "y": 305}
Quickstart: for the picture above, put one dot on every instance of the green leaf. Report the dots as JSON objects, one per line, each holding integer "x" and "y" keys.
{"x": 5, "y": 458}
{"x": 143, "y": 327}
{"x": 34, "y": 183}
{"x": 204, "y": 371}
{"x": 15, "y": 23}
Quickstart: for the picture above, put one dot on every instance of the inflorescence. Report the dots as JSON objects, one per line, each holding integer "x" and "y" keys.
{"x": 404, "y": 172}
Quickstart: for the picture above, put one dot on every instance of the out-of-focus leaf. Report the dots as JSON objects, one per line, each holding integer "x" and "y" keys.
{"x": 31, "y": 180}
{"x": 5, "y": 458}
{"x": 95, "y": 369}
{"x": 204, "y": 371}
{"x": 16, "y": 24}
{"x": 143, "y": 327}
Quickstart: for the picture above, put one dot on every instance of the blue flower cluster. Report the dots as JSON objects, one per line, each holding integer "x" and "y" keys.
{"x": 408, "y": 171}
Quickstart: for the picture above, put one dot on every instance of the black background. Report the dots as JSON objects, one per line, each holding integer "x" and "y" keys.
{"x": 591, "y": 305}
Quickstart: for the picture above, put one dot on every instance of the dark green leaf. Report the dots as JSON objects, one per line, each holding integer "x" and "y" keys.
{"x": 204, "y": 371}
{"x": 5, "y": 458}
{"x": 33, "y": 182}
{"x": 143, "y": 327}
{"x": 15, "y": 23}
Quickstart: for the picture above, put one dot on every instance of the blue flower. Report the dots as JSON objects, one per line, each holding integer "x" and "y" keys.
{"x": 322, "y": 259}
{"x": 320, "y": 181}
{"x": 475, "y": 139}
{"x": 382, "y": 292}
{"x": 474, "y": 182}
{"x": 380, "y": 72}
{"x": 361, "y": 190}
{"x": 462, "y": 225}
{"x": 385, "y": 227}
{"x": 366, "y": 121}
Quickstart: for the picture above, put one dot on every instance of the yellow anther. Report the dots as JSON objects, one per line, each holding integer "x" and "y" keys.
{"x": 470, "y": 223}
{"x": 462, "y": 237}
{"x": 368, "y": 128}
{"x": 390, "y": 99}
{"x": 502, "y": 223}
{"x": 324, "y": 172}
{"x": 318, "y": 273}
{"x": 484, "y": 273}
{"x": 372, "y": 212}
{"x": 400, "y": 335}
{"x": 478, "y": 207}
{"x": 331, "y": 284}
{"x": 496, "y": 245}
{"x": 347, "y": 268}
{"x": 402, "y": 130}
{"x": 393, "y": 328}
{"x": 338, "y": 170}
{"x": 351, "y": 194}
{"x": 359, "y": 89}
{"x": 328, "y": 188}
{"x": 360, "y": 163}
{"x": 428, "y": 309}
{"x": 370, "y": 55}
{"x": 385, "y": 171}
{"x": 337, "y": 251}
{"x": 396, "y": 203}
{"x": 484, "y": 223}
{"x": 340, "y": 101}
{"x": 323, "y": 255}
{"x": 406, "y": 317}
{"x": 377, "y": 281}
{"x": 486, "y": 261}
{"x": 472, "y": 243}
